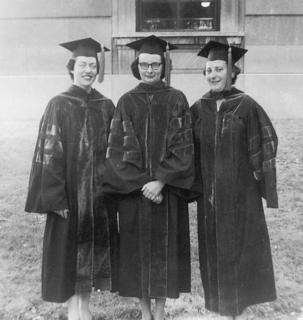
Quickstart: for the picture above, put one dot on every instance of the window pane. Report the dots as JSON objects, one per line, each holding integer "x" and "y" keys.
{"x": 196, "y": 17}
{"x": 177, "y": 15}
{"x": 158, "y": 15}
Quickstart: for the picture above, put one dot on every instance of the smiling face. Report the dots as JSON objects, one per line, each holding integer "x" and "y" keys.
{"x": 85, "y": 72}
{"x": 150, "y": 67}
{"x": 216, "y": 74}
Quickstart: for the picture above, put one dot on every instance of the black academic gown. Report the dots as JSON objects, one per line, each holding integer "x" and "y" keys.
{"x": 235, "y": 166}
{"x": 78, "y": 252}
{"x": 150, "y": 139}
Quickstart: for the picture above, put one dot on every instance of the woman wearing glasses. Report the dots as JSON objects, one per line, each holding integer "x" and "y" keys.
{"x": 149, "y": 164}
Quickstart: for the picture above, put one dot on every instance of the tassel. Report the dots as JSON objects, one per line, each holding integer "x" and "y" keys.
{"x": 101, "y": 65}
{"x": 167, "y": 65}
{"x": 229, "y": 69}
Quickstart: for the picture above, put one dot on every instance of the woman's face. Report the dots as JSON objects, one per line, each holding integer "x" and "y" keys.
{"x": 216, "y": 74}
{"x": 85, "y": 72}
{"x": 150, "y": 67}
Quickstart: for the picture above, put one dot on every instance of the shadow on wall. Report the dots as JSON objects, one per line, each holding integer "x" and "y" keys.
{"x": 25, "y": 98}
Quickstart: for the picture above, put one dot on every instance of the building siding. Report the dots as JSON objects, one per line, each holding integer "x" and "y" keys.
{"x": 32, "y": 60}
{"x": 29, "y": 9}
{"x": 273, "y": 7}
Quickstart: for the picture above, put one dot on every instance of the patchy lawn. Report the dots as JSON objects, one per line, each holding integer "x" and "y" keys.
{"x": 21, "y": 240}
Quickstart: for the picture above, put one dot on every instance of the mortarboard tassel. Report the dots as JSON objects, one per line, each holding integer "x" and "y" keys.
{"x": 167, "y": 65}
{"x": 229, "y": 69}
{"x": 101, "y": 65}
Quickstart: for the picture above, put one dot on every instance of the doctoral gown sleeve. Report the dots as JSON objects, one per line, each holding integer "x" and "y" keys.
{"x": 262, "y": 144}
{"x": 177, "y": 167}
{"x": 47, "y": 183}
{"x": 196, "y": 188}
{"x": 123, "y": 166}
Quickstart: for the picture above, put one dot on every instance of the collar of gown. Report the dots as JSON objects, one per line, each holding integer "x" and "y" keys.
{"x": 222, "y": 94}
{"x": 151, "y": 87}
{"x": 82, "y": 94}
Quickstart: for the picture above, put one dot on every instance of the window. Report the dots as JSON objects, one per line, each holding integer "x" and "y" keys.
{"x": 170, "y": 15}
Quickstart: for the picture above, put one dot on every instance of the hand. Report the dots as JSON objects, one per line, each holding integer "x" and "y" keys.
{"x": 158, "y": 199}
{"x": 62, "y": 213}
{"x": 152, "y": 190}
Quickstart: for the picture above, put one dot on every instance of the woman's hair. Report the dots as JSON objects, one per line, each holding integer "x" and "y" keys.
{"x": 135, "y": 69}
{"x": 71, "y": 64}
{"x": 235, "y": 70}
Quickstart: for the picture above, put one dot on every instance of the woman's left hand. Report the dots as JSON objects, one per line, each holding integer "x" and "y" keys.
{"x": 152, "y": 190}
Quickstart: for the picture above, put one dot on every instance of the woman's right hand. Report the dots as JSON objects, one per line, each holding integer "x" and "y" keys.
{"x": 158, "y": 199}
{"x": 62, "y": 213}
{"x": 152, "y": 191}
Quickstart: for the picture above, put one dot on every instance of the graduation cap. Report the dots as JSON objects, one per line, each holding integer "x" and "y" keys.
{"x": 88, "y": 47}
{"x": 214, "y": 50}
{"x": 155, "y": 45}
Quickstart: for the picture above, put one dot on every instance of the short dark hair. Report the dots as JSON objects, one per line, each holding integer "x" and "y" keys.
{"x": 71, "y": 64}
{"x": 70, "y": 67}
{"x": 235, "y": 69}
{"x": 135, "y": 69}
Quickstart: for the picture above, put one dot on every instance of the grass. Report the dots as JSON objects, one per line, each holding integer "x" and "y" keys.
{"x": 21, "y": 240}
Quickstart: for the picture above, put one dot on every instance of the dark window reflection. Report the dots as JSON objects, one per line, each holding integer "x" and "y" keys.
{"x": 153, "y": 15}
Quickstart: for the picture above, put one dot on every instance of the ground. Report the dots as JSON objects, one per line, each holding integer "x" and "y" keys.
{"x": 21, "y": 237}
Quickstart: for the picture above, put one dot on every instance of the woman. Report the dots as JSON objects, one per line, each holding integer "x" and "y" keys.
{"x": 81, "y": 227}
{"x": 235, "y": 150}
{"x": 149, "y": 163}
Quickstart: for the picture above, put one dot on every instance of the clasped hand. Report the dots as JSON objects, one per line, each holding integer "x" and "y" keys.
{"x": 152, "y": 191}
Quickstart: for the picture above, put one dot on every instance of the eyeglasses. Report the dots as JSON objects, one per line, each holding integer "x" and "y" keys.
{"x": 155, "y": 65}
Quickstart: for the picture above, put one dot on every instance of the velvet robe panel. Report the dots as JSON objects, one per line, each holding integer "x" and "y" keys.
{"x": 151, "y": 139}
{"x": 78, "y": 252}
{"x": 235, "y": 150}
